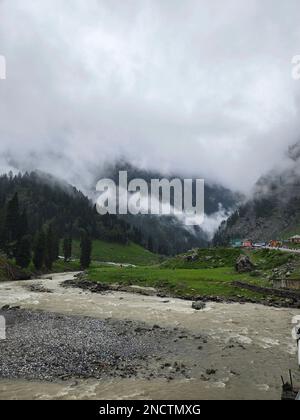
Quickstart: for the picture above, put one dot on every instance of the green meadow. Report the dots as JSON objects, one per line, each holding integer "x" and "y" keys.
{"x": 179, "y": 282}
{"x": 211, "y": 272}
{"x": 118, "y": 253}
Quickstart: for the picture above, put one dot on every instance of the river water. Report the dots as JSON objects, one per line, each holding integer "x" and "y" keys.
{"x": 251, "y": 345}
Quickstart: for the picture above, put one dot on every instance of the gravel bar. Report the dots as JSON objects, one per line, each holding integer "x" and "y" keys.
{"x": 48, "y": 346}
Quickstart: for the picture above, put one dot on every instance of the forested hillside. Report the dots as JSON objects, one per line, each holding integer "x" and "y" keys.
{"x": 168, "y": 235}
{"x": 274, "y": 210}
{"x": 37, "y": 211}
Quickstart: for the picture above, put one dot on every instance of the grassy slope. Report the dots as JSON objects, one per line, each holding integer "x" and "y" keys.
{"x": 58, "y": 267}
{"x": 8, "y": 270}
{"x": 267, "y": 259}
{"x": 207, "y": 258}
{"x": 118, "y": 253}
{"x": 181, "y": 277}
{"x": 188, "y": 282}
{"x": 102, "y": 251}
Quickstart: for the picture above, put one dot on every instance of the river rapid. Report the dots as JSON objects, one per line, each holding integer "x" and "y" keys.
{"x": 247, "y": 347}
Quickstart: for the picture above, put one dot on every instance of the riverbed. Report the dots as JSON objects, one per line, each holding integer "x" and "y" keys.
{"x": 226, "y": 351}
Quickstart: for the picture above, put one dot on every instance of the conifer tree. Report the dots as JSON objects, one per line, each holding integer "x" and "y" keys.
{"x": 23, "y": 252}
{"x": 150, "y": 244}
{"x": 67, "y": 248}
{"x": 86, "y": 250}
{"x": 12, "y": 218}
{"x": 50, "y": 248}
{"x": 39, "y": 250}
{"x": 22, "y": 225}
{"x": 55, "y": 246}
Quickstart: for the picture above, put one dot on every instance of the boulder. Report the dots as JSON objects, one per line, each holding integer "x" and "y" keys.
{"x": 192, "y": 256}
{"x": 244, "y": 265}
{"x": 198, "y": 305}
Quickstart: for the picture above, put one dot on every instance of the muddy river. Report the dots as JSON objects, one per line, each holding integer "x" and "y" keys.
{"x": 248, "y": 346}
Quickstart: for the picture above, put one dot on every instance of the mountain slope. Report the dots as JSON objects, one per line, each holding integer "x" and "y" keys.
{"x": 274, "y": 210}
{"x": 130, "y": 253}
{"x": 45, "y": 199}
{"x": 169, "y": 234}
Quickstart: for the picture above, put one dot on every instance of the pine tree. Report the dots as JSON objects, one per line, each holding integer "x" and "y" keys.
{"x": 162, "y": 249}
{"x": 67, "y": 248}
{"x": 50, "y": 248}
{"x": 86, "y": 250}
{"x": 23, "y": 252}
{"x": 3, "y": 231}
{"x": 55, "y": 247}
{"x": 11, "y": 226}
{"x": 22, "y": 225}
{"x": 39, "y": 250}
{"x": 150, "y": 244}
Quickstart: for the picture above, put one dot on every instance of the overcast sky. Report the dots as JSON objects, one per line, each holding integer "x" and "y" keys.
{"x": 202, "y": 87}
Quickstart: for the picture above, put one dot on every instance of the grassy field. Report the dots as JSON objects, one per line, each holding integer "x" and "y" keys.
{"x": 102, "y": 252}
{"x": 118, "y": 253}
{"x": 187, "y": 282}
{"x": 206, "y": 272}
{"x": 205, "y": 258}
{"x": 266, "y": 259}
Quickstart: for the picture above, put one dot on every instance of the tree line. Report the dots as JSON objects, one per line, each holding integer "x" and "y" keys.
{"x": 42, "y": 249}
{"x": 38, "y": 213}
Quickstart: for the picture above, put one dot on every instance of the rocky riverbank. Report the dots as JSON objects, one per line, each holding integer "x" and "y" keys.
{"x": 72, "y": 343}
{"x": 48, "y": 347}
{"x": 269, "y": 297}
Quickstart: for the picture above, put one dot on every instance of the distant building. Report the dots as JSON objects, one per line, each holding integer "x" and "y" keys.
{"x": 247, "y": 243}
{"x": 260, "y": 245}
{"x": 295, "y": 239}
{"x": 275, "y": 244}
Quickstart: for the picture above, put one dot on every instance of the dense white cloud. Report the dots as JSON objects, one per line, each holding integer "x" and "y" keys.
{"x": 200, "y": 87}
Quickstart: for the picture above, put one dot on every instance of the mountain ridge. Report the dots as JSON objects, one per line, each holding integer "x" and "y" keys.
{"x": 168, "y": 229}
{"x": 273, "y": 212}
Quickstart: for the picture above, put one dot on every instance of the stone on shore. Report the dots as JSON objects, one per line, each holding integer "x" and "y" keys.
{"x": 198, "y": 305}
